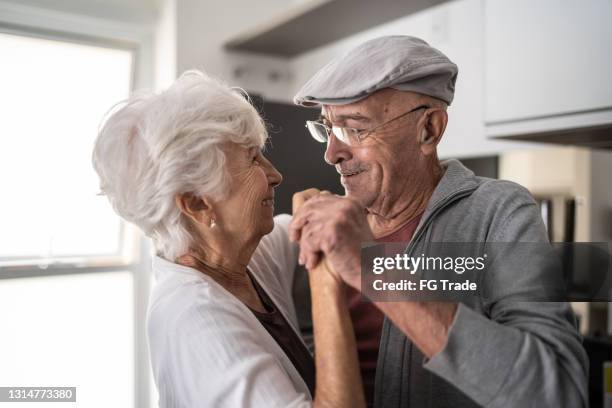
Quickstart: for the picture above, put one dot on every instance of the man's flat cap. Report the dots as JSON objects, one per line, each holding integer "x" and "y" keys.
{"x": 399, "y": 62}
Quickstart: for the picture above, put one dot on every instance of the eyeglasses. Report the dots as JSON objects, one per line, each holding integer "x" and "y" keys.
{"x": 350, "y": 136}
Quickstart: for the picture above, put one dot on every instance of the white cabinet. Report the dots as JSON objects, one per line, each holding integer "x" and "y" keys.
{"x": 546, "y": 58}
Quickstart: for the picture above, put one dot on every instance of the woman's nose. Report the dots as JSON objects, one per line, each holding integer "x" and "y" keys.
{"x": 274, "y": 176}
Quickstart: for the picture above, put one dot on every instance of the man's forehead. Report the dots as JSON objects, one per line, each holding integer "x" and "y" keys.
{"x": 345, "y": 112}
{"x": 375, "y": 106}
{"x": 365, "y": 109}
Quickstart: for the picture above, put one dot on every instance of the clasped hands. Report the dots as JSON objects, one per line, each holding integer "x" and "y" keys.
{"x": 330, "y": 230}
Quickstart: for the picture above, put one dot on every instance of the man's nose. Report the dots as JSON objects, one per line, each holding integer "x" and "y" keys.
{"x": 336, "y": 151}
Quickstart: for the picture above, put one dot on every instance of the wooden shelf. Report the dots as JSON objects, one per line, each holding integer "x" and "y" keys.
{"x": 314, "y": 23}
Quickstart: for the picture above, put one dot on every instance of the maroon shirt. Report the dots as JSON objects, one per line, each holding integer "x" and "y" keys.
{"x": 368, "y": 319}
{"x": 280, "y": 330}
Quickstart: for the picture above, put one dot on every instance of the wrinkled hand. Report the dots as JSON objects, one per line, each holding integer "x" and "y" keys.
{"x": 333, "y": 227}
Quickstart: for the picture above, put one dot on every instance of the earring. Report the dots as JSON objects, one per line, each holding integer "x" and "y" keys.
{"x": 213, "y": 224}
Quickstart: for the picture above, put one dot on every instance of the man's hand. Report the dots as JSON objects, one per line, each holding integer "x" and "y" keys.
{"x": 330, "y": 226}
{"x": 322, "y": 273}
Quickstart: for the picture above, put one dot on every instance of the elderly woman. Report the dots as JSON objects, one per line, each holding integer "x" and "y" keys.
{"x": 186, "y": 166}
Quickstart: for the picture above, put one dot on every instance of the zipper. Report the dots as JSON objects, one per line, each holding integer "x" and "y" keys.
{"x": 415, "y": 237}
{"x": 447, "y": 201}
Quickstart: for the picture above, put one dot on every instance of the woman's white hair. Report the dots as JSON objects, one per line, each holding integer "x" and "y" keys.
{"x": 153, "y": 147}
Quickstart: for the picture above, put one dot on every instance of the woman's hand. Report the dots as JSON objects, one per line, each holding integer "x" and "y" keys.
{"x": 301, "y": 197}
{"x": 338, "y": 376}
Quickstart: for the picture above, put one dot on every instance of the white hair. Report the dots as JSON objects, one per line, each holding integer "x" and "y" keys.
{"x": 156, "y": 146}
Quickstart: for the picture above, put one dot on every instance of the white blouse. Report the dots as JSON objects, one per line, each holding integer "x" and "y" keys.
{"x": 209, "y": 350}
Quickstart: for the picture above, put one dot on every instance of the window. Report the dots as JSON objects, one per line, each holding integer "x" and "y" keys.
{"x": 54, "y": 95}
{"x": 72, "y": 330}
{"x": 71, "y": 287}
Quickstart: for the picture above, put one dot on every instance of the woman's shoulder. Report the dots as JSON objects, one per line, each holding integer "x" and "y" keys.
{"x": 198, "y": 332}
{"x": 185, "y": 296}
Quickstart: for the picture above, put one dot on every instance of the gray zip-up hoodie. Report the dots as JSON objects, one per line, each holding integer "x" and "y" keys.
{"x": 500, "y": 352}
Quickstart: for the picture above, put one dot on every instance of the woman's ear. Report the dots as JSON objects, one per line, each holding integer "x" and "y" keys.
{"x": 198, "y": 209}
{"x": 432, "y": 131}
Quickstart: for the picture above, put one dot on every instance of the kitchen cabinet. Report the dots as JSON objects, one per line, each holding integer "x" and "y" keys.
{"x": 547, "y": 59}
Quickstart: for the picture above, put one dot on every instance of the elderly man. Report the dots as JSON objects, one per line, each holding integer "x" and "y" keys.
{"x": 383, "y": 112}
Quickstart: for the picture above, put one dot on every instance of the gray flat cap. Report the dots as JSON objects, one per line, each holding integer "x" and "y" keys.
{"x": 399, "y": 62}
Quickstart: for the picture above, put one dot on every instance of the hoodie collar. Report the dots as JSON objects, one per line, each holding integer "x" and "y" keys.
{"x": 457, "y": 180}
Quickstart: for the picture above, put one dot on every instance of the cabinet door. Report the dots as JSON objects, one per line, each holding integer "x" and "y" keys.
{"x": 547, "y": 57}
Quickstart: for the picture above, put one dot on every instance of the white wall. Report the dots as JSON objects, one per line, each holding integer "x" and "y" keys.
{"x": 19, "y": 18}
{"x": 165, "y": 46}
{"x": 127, "y": 11}
{"x": 202, "y": 29}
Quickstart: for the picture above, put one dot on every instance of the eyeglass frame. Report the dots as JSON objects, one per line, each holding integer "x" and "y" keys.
{"x": 360, "y": 134}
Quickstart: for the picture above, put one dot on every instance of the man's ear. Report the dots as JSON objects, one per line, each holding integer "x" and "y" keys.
{"x": 198, "y": 209}
{"x": 432, "y": 131}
